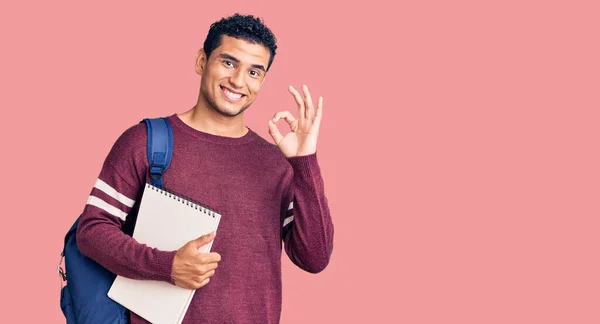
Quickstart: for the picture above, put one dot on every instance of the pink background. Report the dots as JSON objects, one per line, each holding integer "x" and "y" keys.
{"x": 459, "y": 146}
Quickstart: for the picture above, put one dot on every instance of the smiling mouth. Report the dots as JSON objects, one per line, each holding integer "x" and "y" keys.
{"x": 232, "y": 96}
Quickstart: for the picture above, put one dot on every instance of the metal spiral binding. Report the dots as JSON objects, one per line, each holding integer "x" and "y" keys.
{"x": 182, "y": 199}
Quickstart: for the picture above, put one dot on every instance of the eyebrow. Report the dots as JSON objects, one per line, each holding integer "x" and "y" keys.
{"x": 229, "y": 57}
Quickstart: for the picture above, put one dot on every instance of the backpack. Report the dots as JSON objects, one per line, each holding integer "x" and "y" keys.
{"x": 83, "y": 299}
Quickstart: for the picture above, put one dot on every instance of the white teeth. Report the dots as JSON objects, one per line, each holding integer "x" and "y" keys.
{"x": 232, "y": 95}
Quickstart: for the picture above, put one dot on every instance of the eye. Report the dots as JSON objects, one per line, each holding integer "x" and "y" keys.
{"x": 254, "y": 73}
{"x": 228, "y": 63}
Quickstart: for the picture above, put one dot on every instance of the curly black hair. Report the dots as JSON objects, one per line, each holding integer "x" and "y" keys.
{"x": 247, "y": 27}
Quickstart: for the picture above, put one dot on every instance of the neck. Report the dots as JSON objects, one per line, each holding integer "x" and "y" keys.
{"x": 207, "y": 120}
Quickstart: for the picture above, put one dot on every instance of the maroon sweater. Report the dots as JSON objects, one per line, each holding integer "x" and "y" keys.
{"x": 264, "y": 199}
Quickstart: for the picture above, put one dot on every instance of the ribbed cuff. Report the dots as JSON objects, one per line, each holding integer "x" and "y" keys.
{"x": 164, "y": 265}
{"x": 305, "y": 165}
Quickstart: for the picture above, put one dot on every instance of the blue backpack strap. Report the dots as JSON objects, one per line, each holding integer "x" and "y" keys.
{"x": 84, "y": 298}
{"x": 160, "y": 148}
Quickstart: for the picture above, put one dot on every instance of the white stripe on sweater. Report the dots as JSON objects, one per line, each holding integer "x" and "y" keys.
{"x": 288, "y": 220}
{"x": 95, "y": 201}
{"x": 291, "y": 205}
{"x": 106, "y": 188}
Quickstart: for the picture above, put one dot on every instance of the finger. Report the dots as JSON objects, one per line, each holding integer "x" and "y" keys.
{"x": 216, "y": 256}
{"x": 212, "y": 257}
{"x": 310, "y": 108}
{"x": 299, "y": 102}
{"x": 187, "y": 285}
{"x": 319, "y": 113}
{"x": 289, "y": 118}
{"x": 294, "y": 125}
{"x": 274, "y": 132}
{"x": 211, "y": 266}
{"x": 204, "y": 239}
{"x": 207, "y": 275}
{"x": 203, "y": 283}
{"x": 206, "y": 258}
{"x": 203, "y": 269}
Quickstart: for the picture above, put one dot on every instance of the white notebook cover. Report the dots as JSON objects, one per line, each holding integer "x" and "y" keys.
{"x": 166, "y": 222}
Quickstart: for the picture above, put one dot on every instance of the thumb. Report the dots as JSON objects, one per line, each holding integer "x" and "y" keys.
{"x": 274, "y": 132}
{"x": 204, "y": 239}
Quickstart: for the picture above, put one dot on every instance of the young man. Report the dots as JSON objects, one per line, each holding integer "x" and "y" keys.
{"x": 265, "y": 193}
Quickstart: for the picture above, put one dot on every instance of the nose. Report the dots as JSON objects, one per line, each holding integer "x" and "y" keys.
{"x": 237, "y": 79}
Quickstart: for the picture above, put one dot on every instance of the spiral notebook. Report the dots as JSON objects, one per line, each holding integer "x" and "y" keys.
{"x": 167, "y": 222}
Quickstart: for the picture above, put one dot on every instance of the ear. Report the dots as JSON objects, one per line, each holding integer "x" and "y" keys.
{"x": 200, "y": 61}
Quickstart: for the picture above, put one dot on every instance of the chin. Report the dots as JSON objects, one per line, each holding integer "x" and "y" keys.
{"x": 232, "y": 109}
{"x": 229, "y": 112}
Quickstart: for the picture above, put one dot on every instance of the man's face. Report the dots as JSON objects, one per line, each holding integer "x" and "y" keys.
{"x": 233, "y": 75}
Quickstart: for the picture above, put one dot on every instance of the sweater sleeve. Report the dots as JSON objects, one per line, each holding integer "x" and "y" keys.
{"x": 100, "y": 233}
{"x": 307, "y": 224}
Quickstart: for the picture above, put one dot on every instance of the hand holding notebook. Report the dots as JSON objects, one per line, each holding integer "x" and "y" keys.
{"x": 192, "y": 269}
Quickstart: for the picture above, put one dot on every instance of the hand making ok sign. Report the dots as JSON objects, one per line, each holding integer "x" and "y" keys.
{"x": 302, "y": 140}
